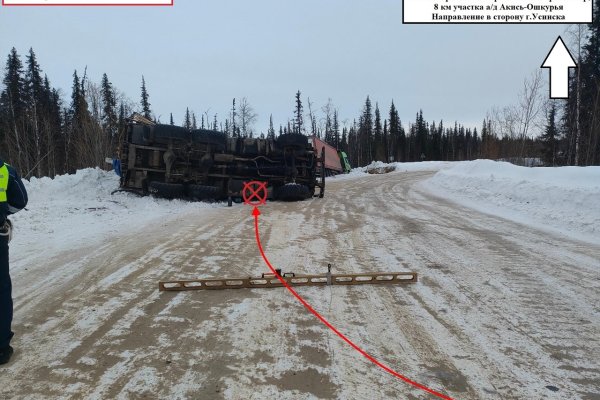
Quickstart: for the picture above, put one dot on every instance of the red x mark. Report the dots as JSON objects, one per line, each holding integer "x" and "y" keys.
{"x": 255, "y": 193}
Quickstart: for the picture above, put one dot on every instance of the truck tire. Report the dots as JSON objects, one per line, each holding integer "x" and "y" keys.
{"x": 292, "y": 192}
{"x": 292, "y": 139}
{"x": 166, "y": 190}
{"x": 203, "y": 192}
{"x": 217, "y": 139}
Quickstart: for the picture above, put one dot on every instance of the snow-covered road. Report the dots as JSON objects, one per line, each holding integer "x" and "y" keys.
{"x": 501, "y": 310}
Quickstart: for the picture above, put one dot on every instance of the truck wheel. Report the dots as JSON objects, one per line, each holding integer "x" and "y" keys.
{"x": 203, "y": 192}
{"x": 166, "y": 190}
{"x": 293, "y": 139}
{"x": 292, "y": 192}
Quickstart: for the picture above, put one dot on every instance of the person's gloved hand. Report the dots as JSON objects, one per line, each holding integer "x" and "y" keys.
{"x": 6, "y": 230}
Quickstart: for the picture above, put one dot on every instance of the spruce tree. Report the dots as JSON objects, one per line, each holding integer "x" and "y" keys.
{"x": 298, "y": 119}
{"x": 84, "y": 142}
{"x": 187, "y": 122}
{"x": 385, "y": 141}
{"x": 33, "y": 80}
{"x": 145, "y": 101}
{"x": 75, "y": 96}
{"x": 271, "y": 131}
{"x": 121, "y": 122}
{"x": 13, "y": 95}
{"x": 476, "y": 142}
{"x": 420, "y": 152}
{"x": 365, "y": 135}
{"x": 234, "y": 132}
{"x": 56, "y": 130}
{"x": 378, "y": 153}
{"x": 436, "y": 141}
{"x": 109, "y": 107}
{"x": 397, "y": 148}
{"x": 12, "y": 113}
{"x": 590, "y": 101}
{"x": 550, "y": 138}
{"x": 336, "y": 130}
{"x": 35, "y": 101}
{"x": 74, "y": 122}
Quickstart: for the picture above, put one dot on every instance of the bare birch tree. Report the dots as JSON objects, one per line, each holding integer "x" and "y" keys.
{"x": 247, "y": 118}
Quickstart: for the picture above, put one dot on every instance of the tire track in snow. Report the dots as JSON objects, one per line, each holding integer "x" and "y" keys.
{"x": 451, "y": 328}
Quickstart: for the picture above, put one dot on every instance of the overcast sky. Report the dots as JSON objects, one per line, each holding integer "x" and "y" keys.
{"x": 203, "y": 53}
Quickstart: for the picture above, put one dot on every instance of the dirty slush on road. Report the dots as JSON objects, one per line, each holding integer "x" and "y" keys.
{"x": 500, "y": 310}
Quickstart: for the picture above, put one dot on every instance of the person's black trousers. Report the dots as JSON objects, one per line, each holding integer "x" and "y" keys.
{"x": 6, "y": 304}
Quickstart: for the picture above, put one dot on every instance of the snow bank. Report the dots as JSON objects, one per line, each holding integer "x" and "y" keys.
{"x": 408, "y": 166}
{"x": 398, "y": 167}
{"x": 564, "y": 200}
{"x": 73, "y": 211}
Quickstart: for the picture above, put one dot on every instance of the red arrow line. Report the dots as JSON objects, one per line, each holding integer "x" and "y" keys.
{"x": 256, "y": 213}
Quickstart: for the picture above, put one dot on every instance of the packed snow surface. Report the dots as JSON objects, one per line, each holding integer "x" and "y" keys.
{"x": 565, "y": 200}
{"x": 78, "y": 210}
{"x": 501, "y": 310}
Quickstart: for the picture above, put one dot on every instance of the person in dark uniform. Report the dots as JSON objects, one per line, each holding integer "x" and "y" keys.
{"x": 13, "y": 198}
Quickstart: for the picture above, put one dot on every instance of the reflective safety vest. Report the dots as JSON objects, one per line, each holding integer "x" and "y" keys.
{"x": 3, "y": 183}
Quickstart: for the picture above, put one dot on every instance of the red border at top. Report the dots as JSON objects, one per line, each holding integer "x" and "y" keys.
{"x": 171, "y": 3}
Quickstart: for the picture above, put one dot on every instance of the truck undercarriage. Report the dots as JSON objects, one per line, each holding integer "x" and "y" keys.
{"x": 174, "y": 162}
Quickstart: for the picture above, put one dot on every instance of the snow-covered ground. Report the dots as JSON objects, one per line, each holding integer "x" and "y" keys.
{"x": 564, "y": 200}
{"x": 78, "y": 210}
{"x": 398, "y": 167}
{"x": 501, "y": 310}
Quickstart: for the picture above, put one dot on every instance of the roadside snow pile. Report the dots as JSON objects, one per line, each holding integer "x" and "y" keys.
{"x": 378, "y": 166}
{"x": 406, "y": 167}
{"x": 564, "y": 200}
{"x": 74, "y": 211}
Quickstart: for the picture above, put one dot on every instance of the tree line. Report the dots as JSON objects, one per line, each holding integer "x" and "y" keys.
{"x": 44, "y": 134}
{"x": 377, "y": 136}
{"x": 572, "y": 134}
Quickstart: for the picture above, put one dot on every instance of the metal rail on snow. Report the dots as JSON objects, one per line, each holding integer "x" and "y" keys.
{"x": 271, "y": 281}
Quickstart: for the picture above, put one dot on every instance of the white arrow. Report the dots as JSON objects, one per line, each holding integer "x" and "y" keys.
{"x": 559, "y": 60}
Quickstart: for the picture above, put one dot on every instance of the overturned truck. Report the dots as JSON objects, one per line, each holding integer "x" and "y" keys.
{"x": 174, "y": 162}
